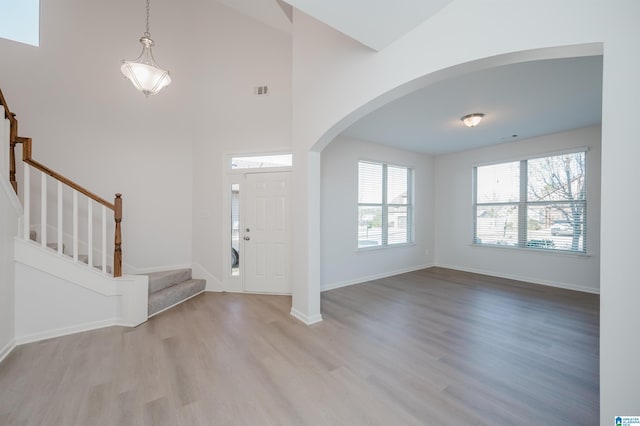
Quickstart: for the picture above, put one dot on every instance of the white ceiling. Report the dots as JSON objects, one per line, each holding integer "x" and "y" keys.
{"x": 374, "y": 23}
{"x": 527, "y": 99}
{"x": 274, "y": 13}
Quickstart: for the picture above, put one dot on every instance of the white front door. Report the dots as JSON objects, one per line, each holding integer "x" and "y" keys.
{"x": 266, "y": 232}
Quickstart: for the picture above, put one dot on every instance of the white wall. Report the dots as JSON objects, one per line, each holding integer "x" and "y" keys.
{"x": 9, "y": 214}
{"x": 164, "y": 154}
{"x": 43, "y": 307}
{"x": 342, "y": 263}
{"x": 336, "y": 81}
{"x": 89, "y": 124}
{"x": 239, "y": 53}
{"x": 454, "y": 214}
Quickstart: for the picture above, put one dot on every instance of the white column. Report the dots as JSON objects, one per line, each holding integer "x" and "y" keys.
{"x": 43, "y": 209}
{"x": 60, "y": 210}
{"x": 75, "y": 225}
{"x": 27, "y": 201}
{"x": 90, "y": 232}
{"x": 104, "y": 239}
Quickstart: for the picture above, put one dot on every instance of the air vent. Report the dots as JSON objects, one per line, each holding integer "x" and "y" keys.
{"x": 261, "y": 90}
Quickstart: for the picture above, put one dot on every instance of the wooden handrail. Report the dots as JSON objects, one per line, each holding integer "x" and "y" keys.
{"x": 116, "y": 206}
{"x": 7, "y": 111}
{"x": 26, "y": 157}
{"x": 13, "y": 134}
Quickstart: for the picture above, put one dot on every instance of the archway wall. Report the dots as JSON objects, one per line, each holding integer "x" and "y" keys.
{"x": 337, "y": 80}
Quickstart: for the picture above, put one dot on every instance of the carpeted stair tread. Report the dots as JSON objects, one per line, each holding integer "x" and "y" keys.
{"x": 174, "y": 294}
{"x": 163, "y": 279}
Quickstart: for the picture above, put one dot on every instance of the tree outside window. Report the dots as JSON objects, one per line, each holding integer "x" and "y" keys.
{"x": 537, "y": 203}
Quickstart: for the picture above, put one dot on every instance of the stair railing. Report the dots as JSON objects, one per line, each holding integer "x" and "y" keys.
{"x": 62, "y": 181}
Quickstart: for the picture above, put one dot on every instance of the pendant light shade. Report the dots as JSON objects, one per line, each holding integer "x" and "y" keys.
{"x": 144, "y": 72}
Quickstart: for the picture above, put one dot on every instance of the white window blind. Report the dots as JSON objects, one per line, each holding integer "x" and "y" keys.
{"x": 536, "y": 203}
{"x": 384, "y": 205}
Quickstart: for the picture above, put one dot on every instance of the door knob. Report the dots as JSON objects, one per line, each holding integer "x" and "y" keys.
{"x": 246, "y": 238}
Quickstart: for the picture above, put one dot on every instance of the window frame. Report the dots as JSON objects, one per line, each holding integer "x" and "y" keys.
{"x": 523, "y": 204}
{"x": 385, "y": 205}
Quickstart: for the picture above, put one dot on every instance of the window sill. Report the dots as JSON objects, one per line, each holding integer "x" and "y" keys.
{"x": 546, "y": 252}
{"x": 389, "y": 246}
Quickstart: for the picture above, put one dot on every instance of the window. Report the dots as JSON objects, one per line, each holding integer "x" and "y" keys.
{"x": 262, "y": 161}
{"x": 385, "y": 214}
{"x": 536, "y": 203}
{"x": 20, "y": 21}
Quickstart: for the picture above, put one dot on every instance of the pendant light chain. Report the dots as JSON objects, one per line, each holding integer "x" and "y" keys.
{"x": 148, "y": 9}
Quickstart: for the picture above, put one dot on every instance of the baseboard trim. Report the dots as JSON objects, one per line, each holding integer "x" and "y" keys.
{"x": 64, "y": 331}
{"x": 131, "y": 270}
{"x": 7, "y": 349}
{"x": 176, "y": 304}
{"x": 361, "y": 280}
{"x": 531, "y": 280}
{"x": 308, "y": 320}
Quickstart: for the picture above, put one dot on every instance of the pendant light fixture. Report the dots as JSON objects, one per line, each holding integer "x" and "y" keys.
{"x": 144, "y": 72}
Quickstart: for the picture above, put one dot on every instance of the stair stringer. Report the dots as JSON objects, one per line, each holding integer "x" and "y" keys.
{"x": 56, "y": 296}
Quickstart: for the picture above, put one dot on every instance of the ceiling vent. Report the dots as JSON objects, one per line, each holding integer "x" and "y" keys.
{"x": 261, "y": 90}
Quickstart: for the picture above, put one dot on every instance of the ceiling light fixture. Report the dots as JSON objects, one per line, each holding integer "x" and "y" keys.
{"x": 472, "y": 120}
{"x": 143, "y": 72}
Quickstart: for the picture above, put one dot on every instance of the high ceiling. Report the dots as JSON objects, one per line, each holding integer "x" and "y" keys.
{"x": 374, "y": 23}
{"x": 526, "y": 99}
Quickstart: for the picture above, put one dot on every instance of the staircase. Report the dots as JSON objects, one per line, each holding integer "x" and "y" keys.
{"x": 169, "y": 288}
{"x": 58, "y": 220}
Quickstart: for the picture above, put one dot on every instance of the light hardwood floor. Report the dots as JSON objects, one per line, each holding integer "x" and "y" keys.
{"x": 432, "y": 347}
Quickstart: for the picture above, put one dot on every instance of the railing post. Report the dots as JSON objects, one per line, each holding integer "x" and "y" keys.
{"x": 12, "y": 166}
{"x": 117, "y": 249}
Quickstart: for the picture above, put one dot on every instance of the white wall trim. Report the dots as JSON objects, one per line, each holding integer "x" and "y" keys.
{"x": 64, "y": 331}
{"x": 361, "y": 280}
{"x": 131, "y": 291}
{"x": 213, "y": 284}
{"x": 177, "y": 303}
{"x": 11, "y": 195}
{"x": 141, "y": 271}
{"x": 566, "y": 286}
{"x": 7, "y": 349}
{"x": 308, "y": 320}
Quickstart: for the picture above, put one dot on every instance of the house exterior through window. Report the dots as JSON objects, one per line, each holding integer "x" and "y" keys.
{"x": 538, "y": 203}
{"x": 385, "y": 205}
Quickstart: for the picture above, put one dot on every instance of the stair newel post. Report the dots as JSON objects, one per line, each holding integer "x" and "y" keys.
{"x": 117, "y": 249}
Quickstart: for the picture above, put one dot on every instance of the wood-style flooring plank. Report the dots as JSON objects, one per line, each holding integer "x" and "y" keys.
{"x": 429, "y": 347}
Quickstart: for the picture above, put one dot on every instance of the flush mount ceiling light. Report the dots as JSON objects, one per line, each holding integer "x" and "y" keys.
{"x": 143, "y": 72}
{"x": 472, "y": 120}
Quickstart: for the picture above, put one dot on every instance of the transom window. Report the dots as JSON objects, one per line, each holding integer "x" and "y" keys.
{"x": 538, "y": 203}
{"x": 20, "y": 21}
{"x": 262, "y": 161}
{"x": 385, "y": 212}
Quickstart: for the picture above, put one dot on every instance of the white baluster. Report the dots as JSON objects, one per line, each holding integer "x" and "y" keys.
{"x": 43, "y": 209}
{"x": 104, "y": 239}
{"x": 75, "y": 225}
{"x": 60, "y": 209}
{"x": 27, "y": 202}
{"x": 89, "y": 232}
